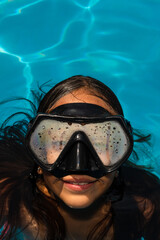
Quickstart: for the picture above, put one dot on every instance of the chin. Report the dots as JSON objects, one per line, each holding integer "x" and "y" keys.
{"x": 78, "y": 203}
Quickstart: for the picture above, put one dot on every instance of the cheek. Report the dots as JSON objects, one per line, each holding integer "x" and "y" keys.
{"x": 53, "y": 183}
{"x": 106, "y": 182}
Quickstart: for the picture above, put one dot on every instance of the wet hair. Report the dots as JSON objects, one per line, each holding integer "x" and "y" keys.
{"x": 18, "y": 178}
{"x": 74, "y": 83}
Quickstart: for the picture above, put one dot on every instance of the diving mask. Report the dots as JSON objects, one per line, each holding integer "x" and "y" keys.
{"x": 80, "y": 138}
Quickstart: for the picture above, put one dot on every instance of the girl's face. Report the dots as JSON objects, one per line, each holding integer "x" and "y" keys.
{"x": 79, "y": 191}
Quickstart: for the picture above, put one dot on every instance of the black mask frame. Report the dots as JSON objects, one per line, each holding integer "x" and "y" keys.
{"x": 80, "y": 113}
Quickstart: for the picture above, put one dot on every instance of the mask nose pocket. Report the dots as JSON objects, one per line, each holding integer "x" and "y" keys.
{"x": 78, "y": 158}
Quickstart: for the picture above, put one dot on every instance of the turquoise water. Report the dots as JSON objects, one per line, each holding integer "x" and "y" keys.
{"x": 117, "y": 42}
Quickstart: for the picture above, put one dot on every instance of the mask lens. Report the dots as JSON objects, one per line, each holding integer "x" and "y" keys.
{"x": 110, "y": 142}
{"x": 49, "y": 139}
{"x": 108, "y": 138}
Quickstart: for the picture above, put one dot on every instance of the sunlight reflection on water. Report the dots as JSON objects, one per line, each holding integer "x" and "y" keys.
{"x": 117, "y": 42}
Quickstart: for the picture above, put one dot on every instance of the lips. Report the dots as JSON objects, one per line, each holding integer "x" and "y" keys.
{"x": 78, "y": 183}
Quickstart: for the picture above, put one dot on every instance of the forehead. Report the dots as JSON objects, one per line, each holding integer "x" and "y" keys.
{"x": 83, "y": 96}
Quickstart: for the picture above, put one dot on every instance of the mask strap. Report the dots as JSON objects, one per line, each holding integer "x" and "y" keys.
{"x": 129, "y": 126}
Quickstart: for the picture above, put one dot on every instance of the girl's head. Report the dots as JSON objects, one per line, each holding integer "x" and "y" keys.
{"x": 79, "y": 190}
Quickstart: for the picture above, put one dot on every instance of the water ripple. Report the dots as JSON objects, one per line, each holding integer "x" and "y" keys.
{"x": 117, "y": 42}
{"x": 88, "y": 6}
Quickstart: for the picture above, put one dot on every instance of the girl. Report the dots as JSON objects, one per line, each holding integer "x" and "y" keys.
{"x": 65, "y": 174}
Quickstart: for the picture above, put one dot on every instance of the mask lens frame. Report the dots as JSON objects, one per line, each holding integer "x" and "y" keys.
{"x": 80, "y": 120}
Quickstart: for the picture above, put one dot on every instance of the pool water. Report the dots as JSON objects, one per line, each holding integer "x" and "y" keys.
{"x": 117, "y": 42}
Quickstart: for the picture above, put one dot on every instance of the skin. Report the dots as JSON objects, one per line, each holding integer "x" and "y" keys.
{"x": 84, "y": 198}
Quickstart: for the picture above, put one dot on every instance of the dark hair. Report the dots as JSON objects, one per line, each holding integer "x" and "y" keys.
{"x": 17, "y": 179}
{"x": 71, "y": 84}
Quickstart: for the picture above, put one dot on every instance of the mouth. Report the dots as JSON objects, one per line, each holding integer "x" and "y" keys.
{"x": 78, "y": 183}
